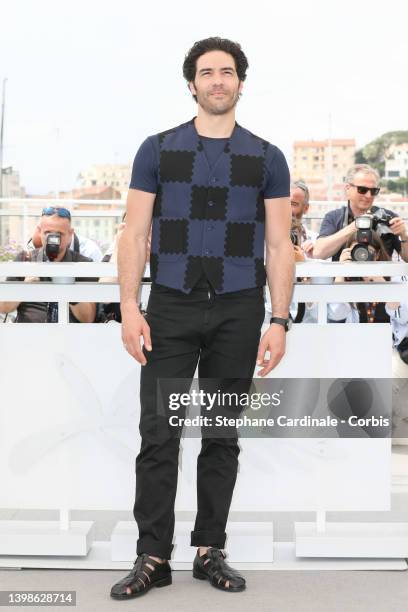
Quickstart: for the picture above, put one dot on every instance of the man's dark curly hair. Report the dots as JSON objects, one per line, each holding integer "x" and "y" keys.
{"x": 214, "y": 43}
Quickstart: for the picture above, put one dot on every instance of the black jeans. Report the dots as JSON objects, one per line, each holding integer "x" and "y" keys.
{"x": 221, "y": 333}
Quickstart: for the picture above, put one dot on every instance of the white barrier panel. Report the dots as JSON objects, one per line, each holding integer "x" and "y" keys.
{"x": 69, "y": 425}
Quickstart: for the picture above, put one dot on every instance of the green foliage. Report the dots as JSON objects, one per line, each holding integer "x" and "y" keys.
{"x": 399, "y": 185}
{"x": 374, "y": 152}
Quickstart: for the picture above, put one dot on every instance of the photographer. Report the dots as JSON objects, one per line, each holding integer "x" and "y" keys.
{"x": 299, "y": 201}
{"x": 56, "y": 234}
{"x": 78, "y": 244}
{"x": 362, "y": 312}
{"x": 299, "y": 312}
{"x": 339, "y": 225}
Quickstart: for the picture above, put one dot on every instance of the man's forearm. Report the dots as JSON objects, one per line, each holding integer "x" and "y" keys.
{"x": 7, "y": 307}
{"x": 280, "y": 269}
{"x": 329, "y": 245}
{"x": 131, "y": 263}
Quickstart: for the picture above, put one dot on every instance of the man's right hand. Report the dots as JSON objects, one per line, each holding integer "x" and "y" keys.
{"x": 134, "y": 325}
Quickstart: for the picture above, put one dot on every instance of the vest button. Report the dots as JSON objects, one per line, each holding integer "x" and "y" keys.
{"x": 214, "y": 179}
{"x": 211, "y": 203}
{"x": 207, "y": 252}
{"x": 209, "y": 228}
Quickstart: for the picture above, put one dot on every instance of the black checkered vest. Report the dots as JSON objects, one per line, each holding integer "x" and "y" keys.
{"x": 209, "y": 220}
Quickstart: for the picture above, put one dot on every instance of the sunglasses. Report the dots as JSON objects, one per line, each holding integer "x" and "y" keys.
{"x": 363, "y": 190}
{"x": 56, "y": 210}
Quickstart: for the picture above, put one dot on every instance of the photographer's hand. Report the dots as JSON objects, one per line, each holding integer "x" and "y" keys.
{"x": 307, "y": 247}
{"x": 398, "y": 228}
{"x": 345, "y": 255}
{"x": 299, "y": 254}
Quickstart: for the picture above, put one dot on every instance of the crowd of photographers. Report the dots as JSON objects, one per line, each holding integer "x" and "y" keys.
{"x": 358, "y": 231}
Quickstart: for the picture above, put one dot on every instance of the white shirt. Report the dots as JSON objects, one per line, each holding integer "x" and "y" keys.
{"x": 88, "y": 248}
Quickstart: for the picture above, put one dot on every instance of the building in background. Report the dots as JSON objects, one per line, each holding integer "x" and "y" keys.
{"x": 116, "y": 176}
{"x": 95, "y": 221}
{"x": 11, "y": 188}
{"x": 11, "y": 184}
{"x": 396, "y": 161}
{"x": 323, "y": 165}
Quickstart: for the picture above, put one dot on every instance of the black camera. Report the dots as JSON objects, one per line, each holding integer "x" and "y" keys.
{"x": 295, "y": 238}
{"x": 381, "y": 221}
{"x": 360, "y": 252}
{"x": 52, "y": 245}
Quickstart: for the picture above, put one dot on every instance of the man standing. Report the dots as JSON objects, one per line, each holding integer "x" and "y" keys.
{"x": 216, "y": 194}
{"x": 338, "y": 225}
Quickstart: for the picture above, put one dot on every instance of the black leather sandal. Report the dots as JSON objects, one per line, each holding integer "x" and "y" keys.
{"x": 145, "y": 574}
{"x": 212, "y": 566}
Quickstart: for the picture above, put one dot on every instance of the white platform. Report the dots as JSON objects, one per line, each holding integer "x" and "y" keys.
{"x": 368, "y": 540}
{"x": 99, "y": 558}
{"x": 245, "y": 541}
{"x": 45, "y": 538}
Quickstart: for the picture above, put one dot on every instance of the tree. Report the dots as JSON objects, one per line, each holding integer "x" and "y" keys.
{"x": 374, "y": 152}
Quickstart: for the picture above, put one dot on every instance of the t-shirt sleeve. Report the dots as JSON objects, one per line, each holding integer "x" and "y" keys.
{"x": 277, "y": 174}
{"x": 145, "y": 168}
{"x": 329, "y": 225}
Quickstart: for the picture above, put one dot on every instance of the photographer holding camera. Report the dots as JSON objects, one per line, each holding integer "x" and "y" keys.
{"x": 362, "y": 312}
{"x": 339, "y": 225}
{"x": 56, "y": 234}
{"x": 299, "y": 201}
{"x": 299, "y": 312}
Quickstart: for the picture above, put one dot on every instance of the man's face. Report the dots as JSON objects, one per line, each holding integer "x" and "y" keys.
{"x": 361, "y": 203}
{"x": 55, "y": 224}
{"x": 297, "y": 201}
{"x": 216, "y": 83}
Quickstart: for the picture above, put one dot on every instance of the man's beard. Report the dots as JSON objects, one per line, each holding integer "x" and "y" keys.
{"x": 221, "y": 109}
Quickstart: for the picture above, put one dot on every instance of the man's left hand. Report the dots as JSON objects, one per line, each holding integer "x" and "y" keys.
{"x": 398, "y": 228}
{"x": 274, "y": 341}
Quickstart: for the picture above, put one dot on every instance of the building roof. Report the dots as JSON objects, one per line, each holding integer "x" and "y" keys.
{"x": 336, "y": 142}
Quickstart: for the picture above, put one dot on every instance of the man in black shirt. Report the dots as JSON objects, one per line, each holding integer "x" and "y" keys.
{"x": 338, "y": 225}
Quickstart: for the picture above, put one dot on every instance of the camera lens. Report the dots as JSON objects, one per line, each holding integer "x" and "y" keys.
{"x": 360, "y": 253}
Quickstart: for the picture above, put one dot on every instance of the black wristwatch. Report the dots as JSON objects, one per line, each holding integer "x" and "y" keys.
{"x": 286, "y": 323}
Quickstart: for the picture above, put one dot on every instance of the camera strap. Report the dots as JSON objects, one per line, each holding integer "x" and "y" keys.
{"x": 345, "y": 216}
{"x": 76, "y": 244}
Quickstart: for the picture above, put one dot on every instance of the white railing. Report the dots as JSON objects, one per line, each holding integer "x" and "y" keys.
{"x": 319, "y": 288}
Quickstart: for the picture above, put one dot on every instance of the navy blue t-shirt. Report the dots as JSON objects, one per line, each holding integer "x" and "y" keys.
{"x": 146, "y": 166}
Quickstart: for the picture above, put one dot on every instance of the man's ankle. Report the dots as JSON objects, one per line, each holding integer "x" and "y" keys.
{"x": 202, "y": 550}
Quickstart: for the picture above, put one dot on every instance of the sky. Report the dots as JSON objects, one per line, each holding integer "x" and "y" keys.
{"x": 88, "y": 81}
